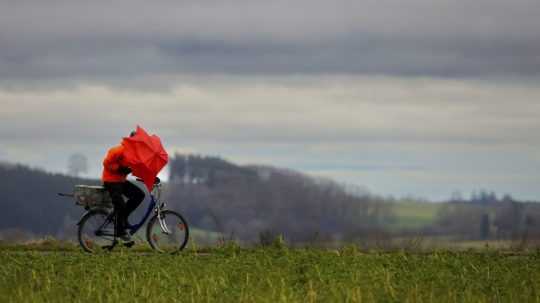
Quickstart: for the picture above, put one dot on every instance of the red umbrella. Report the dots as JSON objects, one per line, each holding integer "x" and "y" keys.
{"x": 145, "y": 156}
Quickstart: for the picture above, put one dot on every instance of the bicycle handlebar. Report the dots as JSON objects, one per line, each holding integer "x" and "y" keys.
{"x": 156, "y": 181}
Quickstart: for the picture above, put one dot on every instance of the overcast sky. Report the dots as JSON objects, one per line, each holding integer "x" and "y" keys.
{"x": 416, "y": 97}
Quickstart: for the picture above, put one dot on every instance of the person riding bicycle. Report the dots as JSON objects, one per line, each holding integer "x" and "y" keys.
{"x": 114, "y": 177}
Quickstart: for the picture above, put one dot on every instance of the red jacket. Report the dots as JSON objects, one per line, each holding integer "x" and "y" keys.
{"x": 112, "y": 162}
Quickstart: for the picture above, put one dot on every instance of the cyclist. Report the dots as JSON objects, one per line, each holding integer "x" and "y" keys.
{"x": 114, "y": 178}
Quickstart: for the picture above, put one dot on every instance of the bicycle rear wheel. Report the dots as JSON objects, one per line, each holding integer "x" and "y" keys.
{"x": 96, "y": 231}
{"x": 172, "y": 237}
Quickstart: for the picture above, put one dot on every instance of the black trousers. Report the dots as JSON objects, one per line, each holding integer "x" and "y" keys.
{"x": 123, "y": 208}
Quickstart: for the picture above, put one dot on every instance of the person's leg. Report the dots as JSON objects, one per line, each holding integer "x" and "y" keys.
{"x": 115, "y": 190}
{"x": 135, "y": 196}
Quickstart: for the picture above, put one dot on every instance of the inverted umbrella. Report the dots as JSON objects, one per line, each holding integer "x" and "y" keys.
{"x": 145, "y": 156}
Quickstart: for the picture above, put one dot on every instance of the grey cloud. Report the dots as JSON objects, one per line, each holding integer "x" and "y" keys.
{"x": 98, "y": 42}
{"x": 339, "y": 111}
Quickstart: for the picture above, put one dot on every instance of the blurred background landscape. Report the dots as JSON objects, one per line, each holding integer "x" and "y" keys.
{"x": 254, "y": 204}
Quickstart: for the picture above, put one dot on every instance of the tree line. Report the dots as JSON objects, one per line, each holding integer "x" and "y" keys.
{"x": 256, "y": 203}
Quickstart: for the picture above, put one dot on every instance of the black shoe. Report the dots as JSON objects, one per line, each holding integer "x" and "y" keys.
{"x": 126, "y": 239}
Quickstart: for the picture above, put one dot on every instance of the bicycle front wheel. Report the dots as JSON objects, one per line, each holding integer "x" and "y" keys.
{"x": 96, "y": 231}
{"x": 170, "y": 235}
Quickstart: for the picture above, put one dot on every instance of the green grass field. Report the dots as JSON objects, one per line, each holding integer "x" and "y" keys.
{"x": 412, "y": 215}
{"x": 232, "y": 274}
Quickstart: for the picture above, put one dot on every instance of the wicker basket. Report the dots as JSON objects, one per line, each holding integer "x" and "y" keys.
{"x": 92, "y": 196}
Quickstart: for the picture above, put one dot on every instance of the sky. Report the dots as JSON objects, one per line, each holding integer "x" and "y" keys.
{"x": 405, "y": 98}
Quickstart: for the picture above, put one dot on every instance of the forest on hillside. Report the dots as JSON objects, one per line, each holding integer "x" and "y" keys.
{"x": 30, "y": 204}
{"x": 250, "y": 202}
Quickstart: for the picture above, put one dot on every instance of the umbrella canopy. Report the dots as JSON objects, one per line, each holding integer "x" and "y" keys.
{"x": 145, "y": 156}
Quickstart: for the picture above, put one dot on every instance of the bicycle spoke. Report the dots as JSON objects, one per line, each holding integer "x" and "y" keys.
{"x": 95, "y": 231}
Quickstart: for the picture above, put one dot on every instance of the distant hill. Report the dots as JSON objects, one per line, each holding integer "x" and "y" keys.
{"x": 244, "y": 202}
{"x": 254, "y": 203}
{"x": 247, "y": 202}
{"x": 30, "y": 203}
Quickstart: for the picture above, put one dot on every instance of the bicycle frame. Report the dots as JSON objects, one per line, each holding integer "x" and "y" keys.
{"x": 154, "y": 205}
{"x": 133, "y": 228}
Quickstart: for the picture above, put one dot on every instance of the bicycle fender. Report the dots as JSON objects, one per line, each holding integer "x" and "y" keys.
{"x": 82, "y": 217}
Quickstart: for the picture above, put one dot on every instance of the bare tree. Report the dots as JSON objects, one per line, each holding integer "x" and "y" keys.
{"x": 77, "y": 164}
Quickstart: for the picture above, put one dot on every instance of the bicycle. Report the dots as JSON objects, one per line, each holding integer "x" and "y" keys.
{"x": 166, "y": 231}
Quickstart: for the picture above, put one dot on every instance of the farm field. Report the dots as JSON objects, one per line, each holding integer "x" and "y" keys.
{"x": 232, "y": 274}
{"x": 412, "y": 215}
